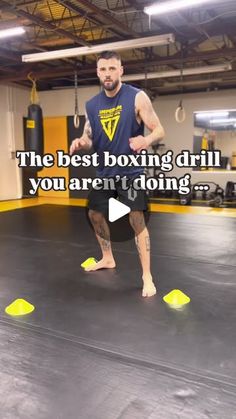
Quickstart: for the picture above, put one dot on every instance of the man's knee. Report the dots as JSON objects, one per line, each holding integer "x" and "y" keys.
{"x": 137, "y": 221}
{"x": 95, "y": 217}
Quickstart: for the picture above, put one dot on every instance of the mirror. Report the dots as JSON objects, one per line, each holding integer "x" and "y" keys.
{"x": 216, "y": 130}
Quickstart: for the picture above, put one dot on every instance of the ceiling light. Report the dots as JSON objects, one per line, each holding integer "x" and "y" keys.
{"x": 215, "y": 114}
{"x": 175, "y": 73}
{"x": 223, "y": 121}
{"x": 95, "y": 49}
{"x": 6, "y": 33}
{"x": 171, "y": 6}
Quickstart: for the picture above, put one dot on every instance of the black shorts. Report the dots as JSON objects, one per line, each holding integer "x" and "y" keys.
{"x": 136, "y": 200}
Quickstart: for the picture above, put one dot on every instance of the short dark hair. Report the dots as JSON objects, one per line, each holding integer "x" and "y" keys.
{"x": 106, "y": 55}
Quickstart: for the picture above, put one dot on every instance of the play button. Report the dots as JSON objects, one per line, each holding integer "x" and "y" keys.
{"x": 116, "y": 220}
{"x": 116, "y": 210}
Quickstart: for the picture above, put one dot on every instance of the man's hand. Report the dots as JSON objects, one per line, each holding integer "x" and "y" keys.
{"x": 138, "y": 143}
{"x": 78, "y": 144}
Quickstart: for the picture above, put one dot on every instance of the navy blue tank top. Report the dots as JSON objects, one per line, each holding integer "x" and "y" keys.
{"x": 113, "y": 122}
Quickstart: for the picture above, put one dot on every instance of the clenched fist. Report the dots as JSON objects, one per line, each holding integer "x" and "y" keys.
{"x": 138, "y": 143}
{"x": 78, "y": 144}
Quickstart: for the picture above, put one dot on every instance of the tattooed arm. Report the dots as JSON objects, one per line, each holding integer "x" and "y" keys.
{"x": 145, "y": 112}
{"x": 85, "y": 141}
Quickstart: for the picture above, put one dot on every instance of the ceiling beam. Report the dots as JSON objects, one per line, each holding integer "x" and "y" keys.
{"x": 108, "y": 18}
{"x": 89, "y": 16}
{"x": 154, "y": 20}
{"x": 12, "y": 23}
{"x": 10, "y": 55}
{"x": 176, "y": 59}
{"x": 46, "y": 25}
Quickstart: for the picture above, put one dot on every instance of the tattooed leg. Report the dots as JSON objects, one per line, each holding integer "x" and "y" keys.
{"x": 143, "y": 246}
{"x": 103, "y": 236}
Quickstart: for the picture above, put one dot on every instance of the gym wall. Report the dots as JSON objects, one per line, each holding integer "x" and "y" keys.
{"x": 61, "y": 102}
{"x": 13, "y": 105}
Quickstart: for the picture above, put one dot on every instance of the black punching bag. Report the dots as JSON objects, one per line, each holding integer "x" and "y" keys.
{"x": 34, "y": 131}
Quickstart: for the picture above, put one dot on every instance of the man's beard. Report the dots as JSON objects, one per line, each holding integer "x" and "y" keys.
{"x": 112, "y": 86}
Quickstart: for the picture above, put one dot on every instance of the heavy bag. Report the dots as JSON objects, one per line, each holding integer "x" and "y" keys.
{"x": 34, "y": 131}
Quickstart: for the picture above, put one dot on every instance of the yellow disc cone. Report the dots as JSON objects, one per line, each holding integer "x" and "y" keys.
{"x": 88, "y": 262}
{"x": 176, "y": 298}
{"x": 19, "y": 307}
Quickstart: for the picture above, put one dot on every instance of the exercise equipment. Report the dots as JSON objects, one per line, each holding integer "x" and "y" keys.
{"x": 34, "y": 140}
{"x": 176, "y": 299}
{"x": 185, "y": 199}
{"x": 230, "y": 190}
{"x": 218, "y": 196}
{"x": 214, "y": 197}
{"x": 88, "y": 262}
{"x": 19, "y": 307}
{"x": 180, "y": 113}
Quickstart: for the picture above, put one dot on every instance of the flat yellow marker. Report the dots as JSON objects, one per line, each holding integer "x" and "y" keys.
{"x": 19, "y": 307}
{"x": 176, "y": 299}
{"x": 88, "y": 262}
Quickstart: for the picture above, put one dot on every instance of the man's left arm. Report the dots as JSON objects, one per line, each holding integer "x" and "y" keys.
{"x": 145, "y": 112}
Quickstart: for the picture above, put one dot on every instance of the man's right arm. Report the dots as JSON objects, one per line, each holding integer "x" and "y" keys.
{"x": 85, "y": 141}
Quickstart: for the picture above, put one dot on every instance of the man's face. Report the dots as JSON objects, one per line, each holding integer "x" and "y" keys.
{"x": 109, "y": 73}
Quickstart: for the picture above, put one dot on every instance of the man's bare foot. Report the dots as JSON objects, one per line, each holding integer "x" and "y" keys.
{"x": 149, "y": 288}
{"x": 102, "y": 264}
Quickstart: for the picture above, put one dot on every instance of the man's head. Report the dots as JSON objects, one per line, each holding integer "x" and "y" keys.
{"x": 109, "y": 70}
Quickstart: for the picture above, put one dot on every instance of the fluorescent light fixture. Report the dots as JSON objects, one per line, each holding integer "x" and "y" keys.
{"x": 223, "y": 121}
{"x": 6, "y": 33}
{"x": 171, "y": 6}
{"x": 148, "y": 41}
{"x": 209, "y": 114}
{"x": 175, "y": 73}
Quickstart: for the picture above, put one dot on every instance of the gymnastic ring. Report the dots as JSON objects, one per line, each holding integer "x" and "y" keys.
{"x": 180, "y": 114}
{"x": 76, "y": 120}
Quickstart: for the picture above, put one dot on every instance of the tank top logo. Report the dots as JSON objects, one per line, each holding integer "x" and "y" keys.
{"x": 109, "y": 119}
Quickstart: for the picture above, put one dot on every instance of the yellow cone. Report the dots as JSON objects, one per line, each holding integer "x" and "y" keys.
{"x": 176, "y": 298}
{"x": 19, "y": 307}
{"x": 88, "y": 262}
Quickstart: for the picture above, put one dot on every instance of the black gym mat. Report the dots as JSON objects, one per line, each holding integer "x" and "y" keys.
{"x": 118, "y": 355}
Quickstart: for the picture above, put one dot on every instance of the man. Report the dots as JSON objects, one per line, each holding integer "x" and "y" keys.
{"x": 115, "y": 120}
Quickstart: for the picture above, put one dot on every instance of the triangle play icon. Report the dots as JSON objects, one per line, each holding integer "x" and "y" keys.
{"x": 116, "y": 210}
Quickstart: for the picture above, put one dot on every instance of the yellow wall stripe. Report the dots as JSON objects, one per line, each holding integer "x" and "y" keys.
{"x": 174, "y": 209}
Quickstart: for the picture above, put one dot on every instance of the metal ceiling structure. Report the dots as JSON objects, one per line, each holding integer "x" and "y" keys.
{"x": 204, "y": 35}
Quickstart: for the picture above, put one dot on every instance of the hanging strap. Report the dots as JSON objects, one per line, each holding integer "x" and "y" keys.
{"x": 146, "y": 80}
{"x": 180, "y": 113}
{"x": 34, "y": 97}
{"x": 76, "y": 114}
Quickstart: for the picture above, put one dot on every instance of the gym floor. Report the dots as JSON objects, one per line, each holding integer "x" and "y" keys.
{"x": 94, "y": 348}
